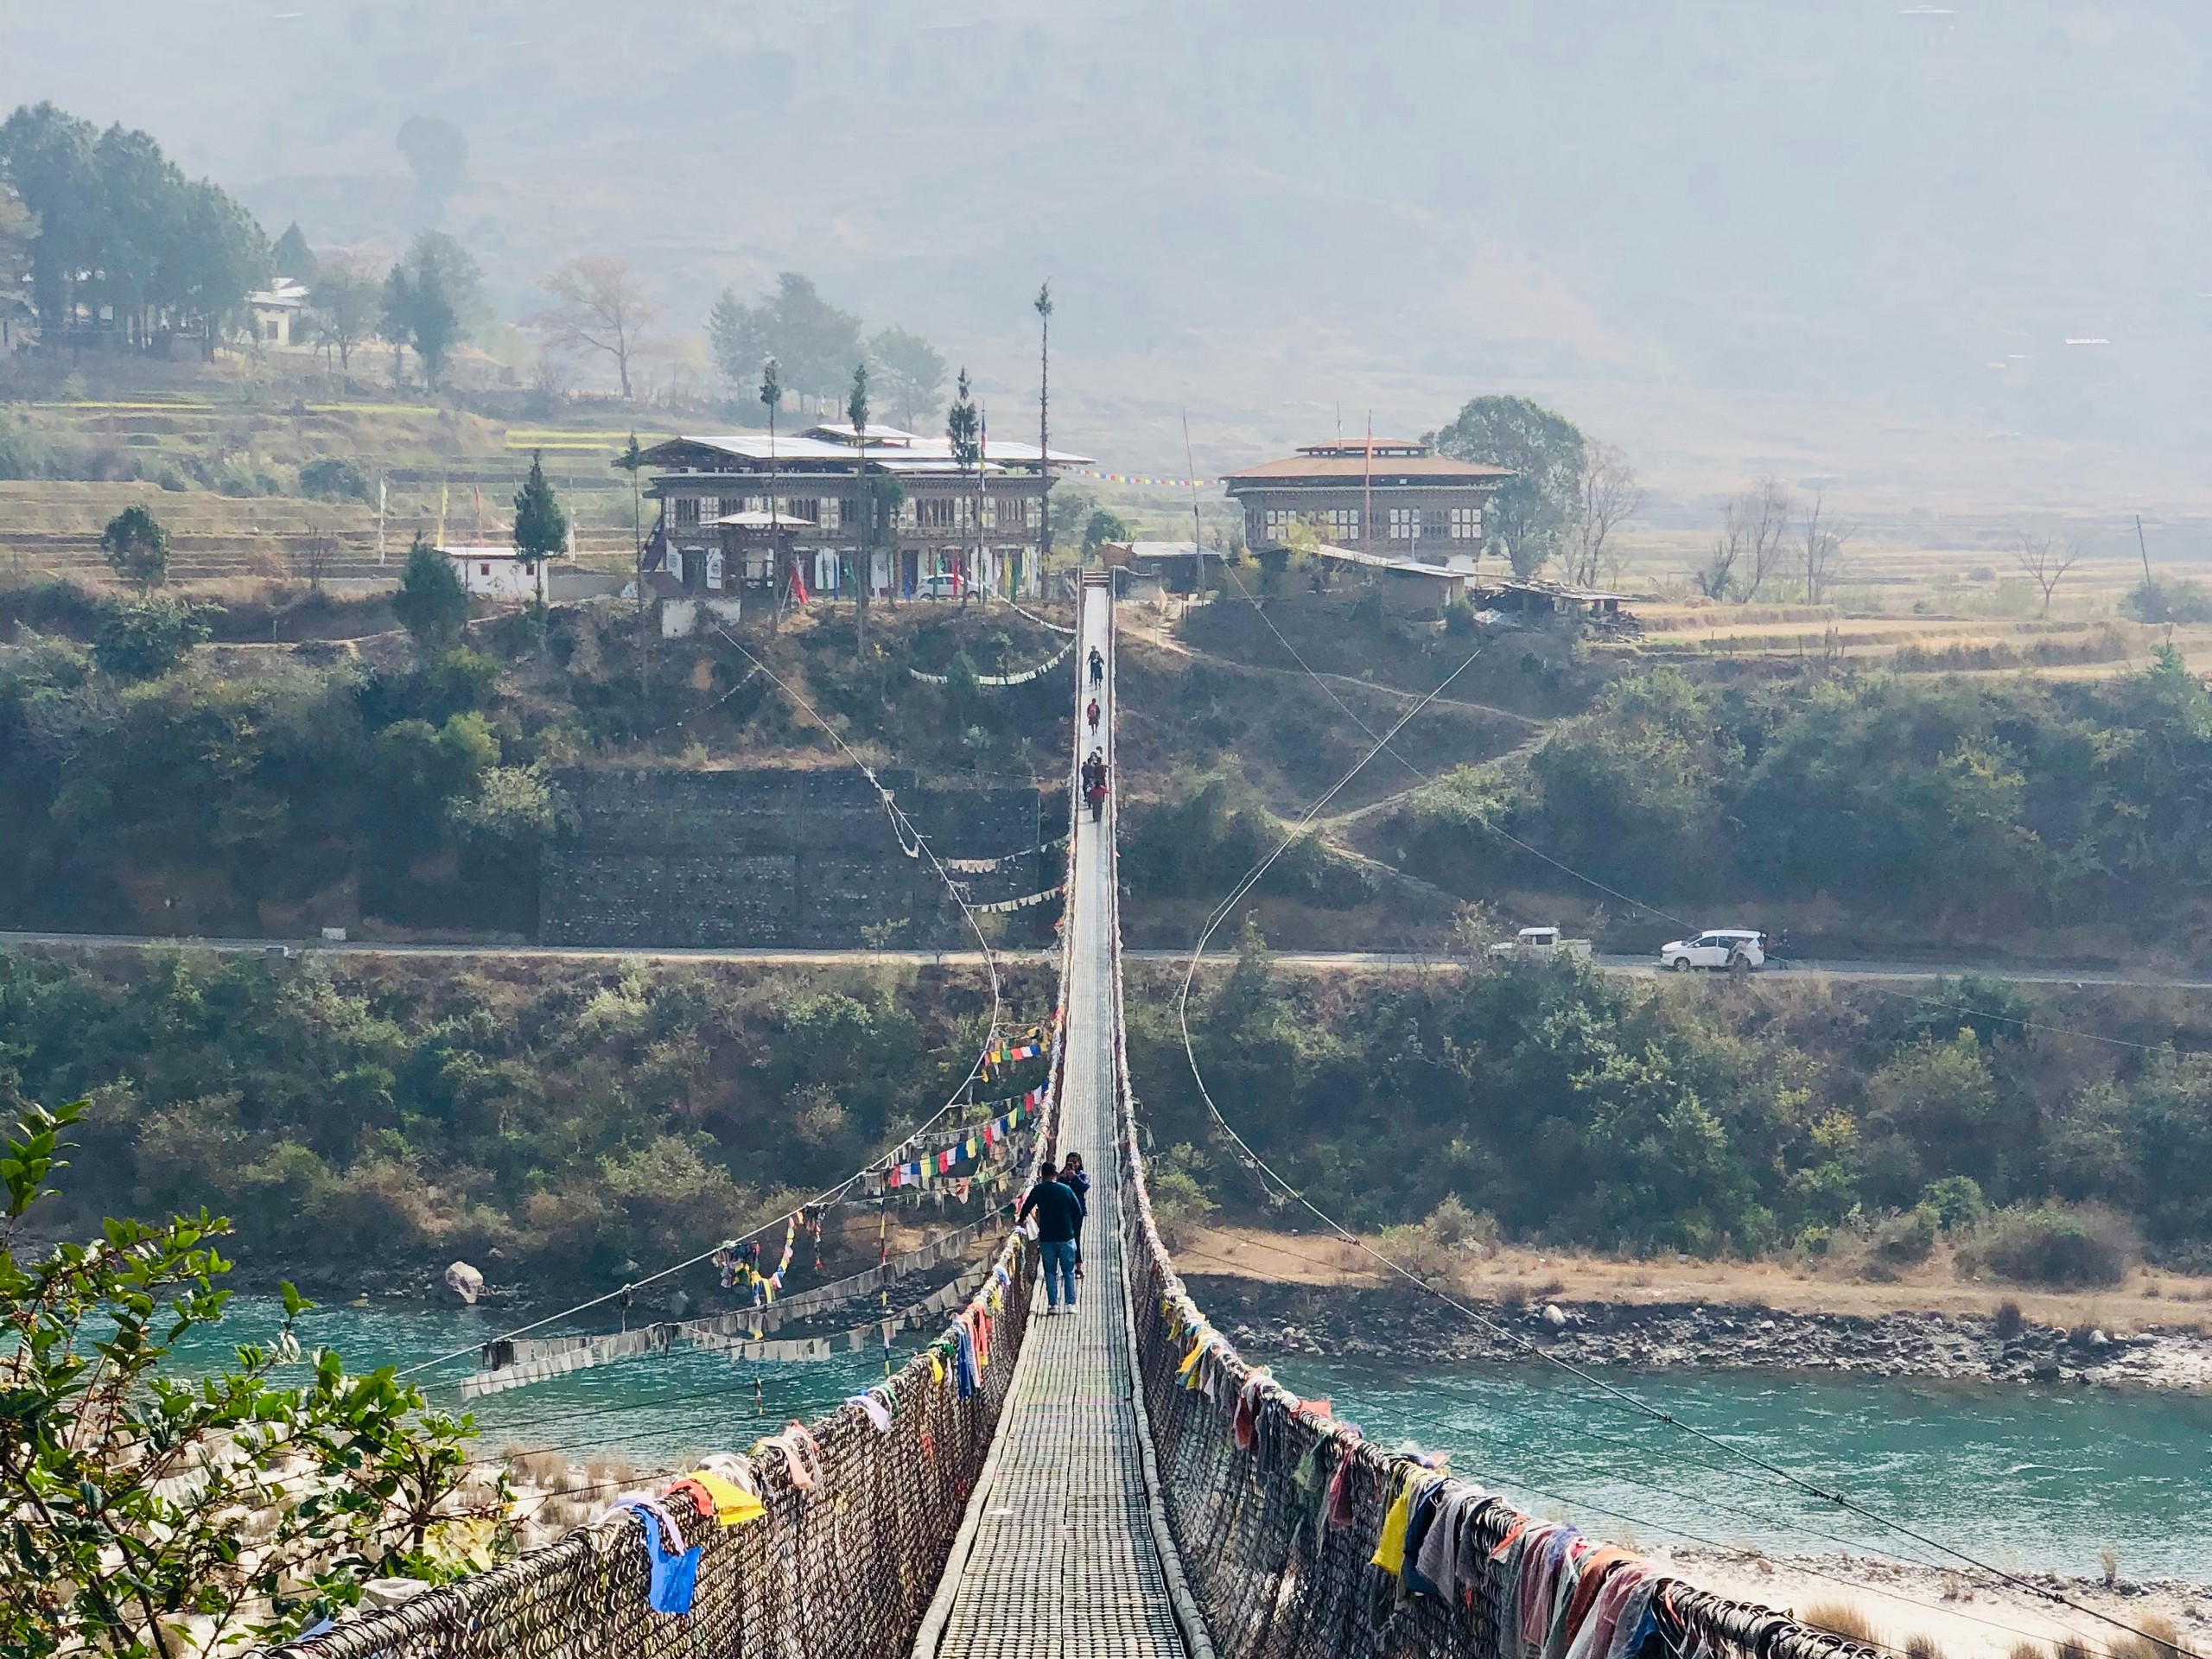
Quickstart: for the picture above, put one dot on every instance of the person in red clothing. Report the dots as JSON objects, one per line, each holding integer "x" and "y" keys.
{"x": 1091, "y": 714}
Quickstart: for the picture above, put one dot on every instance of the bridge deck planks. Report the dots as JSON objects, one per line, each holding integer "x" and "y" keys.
{"x": 1064, "y": 1564}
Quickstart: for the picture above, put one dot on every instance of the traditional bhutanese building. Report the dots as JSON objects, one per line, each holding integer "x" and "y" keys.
{"x": 1390, "y": 496}
{"x": 732, "y": 507}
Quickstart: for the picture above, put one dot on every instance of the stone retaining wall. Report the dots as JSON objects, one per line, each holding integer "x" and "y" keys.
{"x": 778, "y": 857}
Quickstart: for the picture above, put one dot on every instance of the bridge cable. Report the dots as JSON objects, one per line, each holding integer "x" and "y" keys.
{"x": 1513, "y": 1339}
{"x": 903, "y": 827}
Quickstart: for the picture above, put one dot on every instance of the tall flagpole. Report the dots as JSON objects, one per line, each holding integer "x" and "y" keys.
{"x": 1044, "y": 452}
{"x": 1367, "y": 490}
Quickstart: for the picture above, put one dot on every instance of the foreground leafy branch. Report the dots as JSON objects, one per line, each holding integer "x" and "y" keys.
{"x": 150, "y": 1514}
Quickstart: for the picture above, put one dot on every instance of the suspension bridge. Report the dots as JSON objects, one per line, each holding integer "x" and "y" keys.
{"x": 1121, "y": 1483}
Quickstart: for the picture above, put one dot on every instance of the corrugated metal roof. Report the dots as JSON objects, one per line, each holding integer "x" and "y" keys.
{"x": 1384, "y": 469}
{"x": 1396, "y": 567}
{"x": 897, "y": 449}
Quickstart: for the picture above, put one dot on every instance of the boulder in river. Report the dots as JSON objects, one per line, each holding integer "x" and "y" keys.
{"x": 465, "y": 1283}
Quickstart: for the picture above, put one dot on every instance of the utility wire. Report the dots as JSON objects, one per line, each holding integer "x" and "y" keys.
{"x": 903, "y": 827}
{"x": 1612, "y": 1392}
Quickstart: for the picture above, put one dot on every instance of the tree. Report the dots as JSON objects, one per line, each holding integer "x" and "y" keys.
{"x": 1757, "y": 523}
{"x": 1822, "y": 544}
{"x": 812, "y": 340}
{"x": 436, "y": 150}
{"x": 140, "y": 1501}
{"x": 428, "y": 299}
{"x": 137, "y": 548}
{"x": 345, "y": 302}
{"x": 1528, "y": 518}
{"x": 1105, "y": 526}
{"x": 598, "y": 308}
{"x": 1716, "y": 577}
{"x": 1611, "y": 494}
{"x": 2046, "y": 558}
{"x": 963, "y": 430}
{"x": 219, "y": 256}
{"x": 908, "y": 370}
{"x": 47, "y": 157}
{"x": 120, "y": 229}
{"x": 145, "y": 640}
{"x": 431, "y": 604}
{"x": 18, "y": 230}
{"x": 292, "y": 258}
{"x": 541, "y": 528}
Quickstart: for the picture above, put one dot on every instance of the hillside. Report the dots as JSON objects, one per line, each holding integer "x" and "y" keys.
{"x": 1842, "y": 242}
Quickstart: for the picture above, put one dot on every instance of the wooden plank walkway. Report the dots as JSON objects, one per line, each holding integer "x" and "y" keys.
{"x": 1063, "y": 1562}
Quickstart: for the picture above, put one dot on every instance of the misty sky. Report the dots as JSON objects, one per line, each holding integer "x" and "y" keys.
{"x": 1842, "y": 239}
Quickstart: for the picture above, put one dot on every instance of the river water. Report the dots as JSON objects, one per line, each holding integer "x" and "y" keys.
{"x": 2029, "y": 1478}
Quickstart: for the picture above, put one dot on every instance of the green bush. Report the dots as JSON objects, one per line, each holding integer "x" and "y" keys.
{"x": 2174, "y": 600}
{"x": 2053, "y": 1244}
{"x": 2025, "y": 802}
{"x": 1908, "y": 1238}
{"x": 146, "y": 639}
{"x": 334, "y": 477}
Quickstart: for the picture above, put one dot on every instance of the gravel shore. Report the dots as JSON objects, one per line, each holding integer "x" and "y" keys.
{"x": 1404, "y": 1325}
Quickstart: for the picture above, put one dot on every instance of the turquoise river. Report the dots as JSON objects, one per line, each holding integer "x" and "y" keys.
{"x": 2037, "y": 1478}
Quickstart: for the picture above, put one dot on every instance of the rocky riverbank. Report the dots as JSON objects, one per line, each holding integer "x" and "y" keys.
{"x": 1403, "y": 1326}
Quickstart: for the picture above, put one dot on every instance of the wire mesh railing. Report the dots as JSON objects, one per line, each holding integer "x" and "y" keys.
{"x": 1297, "y": 1537}
{"x": 856, "y": 1518}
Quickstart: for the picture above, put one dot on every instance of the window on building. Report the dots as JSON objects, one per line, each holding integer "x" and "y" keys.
{"x": 687, "y": 509}
{"x": 1344, "y": 523}
{"x": 939, "y": 514}
{"x": 483, "y": 569}
{"x": 1405, "y": 524}
{"x": 1466, "y": 524}
{"x": 830, "y": 511}
{"x": 1431, "y": 523}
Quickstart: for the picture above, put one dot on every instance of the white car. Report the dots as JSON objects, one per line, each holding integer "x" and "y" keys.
{"x": 1541, "y": 941}
{"x": 1721, "y": 947}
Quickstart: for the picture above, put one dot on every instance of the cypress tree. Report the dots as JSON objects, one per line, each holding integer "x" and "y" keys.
{"x": 541, "y": 528}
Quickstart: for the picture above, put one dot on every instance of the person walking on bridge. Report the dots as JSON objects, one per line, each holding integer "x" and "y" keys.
{"x": 1059, "y": 1219}
{"x": 1091, "y": 714}
{"x": 1077, "y": 1181}
{"x": 1097, "y": 668}
{"x": 1094, "y": 783}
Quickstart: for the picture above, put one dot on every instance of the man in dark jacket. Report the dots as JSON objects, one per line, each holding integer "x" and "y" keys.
{"x": 1073, "y": 1177}
{"x": 1059, "y": 1218}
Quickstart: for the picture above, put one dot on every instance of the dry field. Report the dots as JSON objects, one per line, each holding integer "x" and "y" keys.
{"x": 438, "y": 467}
{"x": 1920, "y": 608}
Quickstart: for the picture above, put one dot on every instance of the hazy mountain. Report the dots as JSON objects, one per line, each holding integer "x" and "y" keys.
{"x": 1846, "y": 238}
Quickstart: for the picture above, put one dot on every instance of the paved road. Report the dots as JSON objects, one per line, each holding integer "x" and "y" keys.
{"x": 1320, "y": 961}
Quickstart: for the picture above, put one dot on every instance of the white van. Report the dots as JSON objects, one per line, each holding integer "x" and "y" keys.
{"x": 1720, "y": 947}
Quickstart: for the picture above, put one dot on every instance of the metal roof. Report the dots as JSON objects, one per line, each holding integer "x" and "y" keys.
{"x": 1383, "y": 469}
{"x": 889, "y": 448}
{"x": 1382, "y": 561}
